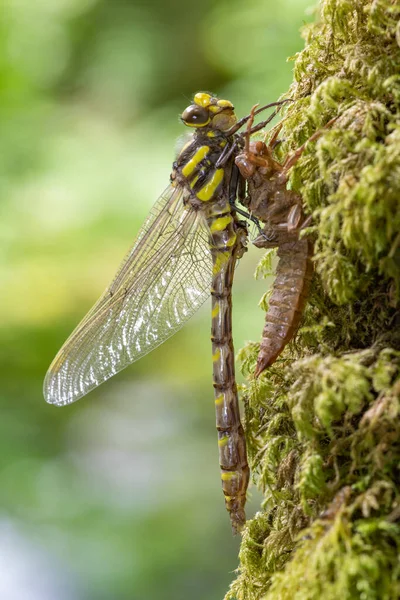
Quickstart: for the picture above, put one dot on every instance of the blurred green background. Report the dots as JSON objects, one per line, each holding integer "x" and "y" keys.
{"x": 117, "y": 496}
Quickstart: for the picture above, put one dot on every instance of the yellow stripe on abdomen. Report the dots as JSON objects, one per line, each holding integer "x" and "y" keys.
{"x": 220, "y": 261}
{"x": 217, "y": 355}
{"x": 223, "y": 441}
{"x": 215, "y": 311}
{"x": 219, "y": 399}
{"x": 220, "y": 223}
{"x": 228, "y": 476}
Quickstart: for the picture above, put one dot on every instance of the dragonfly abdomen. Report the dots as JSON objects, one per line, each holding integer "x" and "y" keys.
{"x": 226, "y": 244}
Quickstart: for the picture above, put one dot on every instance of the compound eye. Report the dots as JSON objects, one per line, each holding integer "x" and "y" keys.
{"x": 196, "y": 116}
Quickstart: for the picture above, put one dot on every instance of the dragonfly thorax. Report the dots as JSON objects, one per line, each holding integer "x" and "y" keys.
{"x": 197, "y": 167}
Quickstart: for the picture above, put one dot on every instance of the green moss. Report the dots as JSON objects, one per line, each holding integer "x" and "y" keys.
{"x": 344, "y": 560}
{"x": 323, "y": 422}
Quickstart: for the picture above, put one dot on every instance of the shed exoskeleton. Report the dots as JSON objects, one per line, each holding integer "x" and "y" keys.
{"x": 281, "y": 211}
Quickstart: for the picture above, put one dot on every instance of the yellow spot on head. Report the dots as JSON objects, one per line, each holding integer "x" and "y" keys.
{"x": 215, "y": 311}
{"x": 202, "y": 99}
{"x": 214, "y": 108}
{"x": 225, "y": 104}
{"x": 211, "y": 134}
{"x": 207, "y": 192}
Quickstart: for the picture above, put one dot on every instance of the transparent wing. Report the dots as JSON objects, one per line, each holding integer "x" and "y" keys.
{"x": 163, "y": 280}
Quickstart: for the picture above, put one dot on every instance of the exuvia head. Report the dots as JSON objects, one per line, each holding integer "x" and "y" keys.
{"x": 209, "y": 112}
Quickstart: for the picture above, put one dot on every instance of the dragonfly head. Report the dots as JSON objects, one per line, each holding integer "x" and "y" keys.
{"x": 209, "y": 112}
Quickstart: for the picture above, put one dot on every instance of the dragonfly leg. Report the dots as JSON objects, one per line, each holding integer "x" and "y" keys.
{"x": 235, "y": 189}
{"x": 244, "y": 120}
{"x": 248, "y": 216}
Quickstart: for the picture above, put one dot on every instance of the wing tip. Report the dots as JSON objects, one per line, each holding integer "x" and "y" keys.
{"x": 55, "y": 396}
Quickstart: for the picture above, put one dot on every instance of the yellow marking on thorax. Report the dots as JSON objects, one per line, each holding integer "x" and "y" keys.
{"x": 220, "y": 261}
{"x": 195, "y": 160}
{"x": 219, "y": 399}
{"x": 211, "y": 134}
{"x": 220, "y": 223}
{"x": 207, "y": 192}
{"x": 223, "y": 441}
{"x": 215, "y": 311}
{"x": 194, "y": 181}
{"x": 217, "y": 355}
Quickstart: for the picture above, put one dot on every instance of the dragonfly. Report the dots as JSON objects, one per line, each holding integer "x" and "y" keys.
{"x": 186, "y": 250}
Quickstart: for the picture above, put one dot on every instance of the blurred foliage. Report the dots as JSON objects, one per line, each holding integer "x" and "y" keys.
{"x": 117, "y": 496}
{"x": 323, "y": 421}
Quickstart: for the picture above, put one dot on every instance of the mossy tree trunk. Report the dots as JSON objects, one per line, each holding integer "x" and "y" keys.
{"x": 323, "y": 423}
